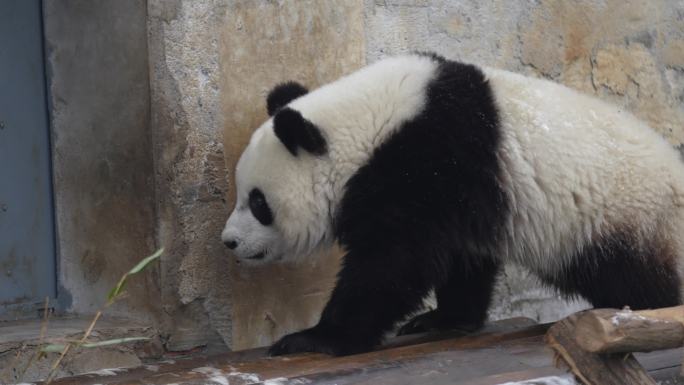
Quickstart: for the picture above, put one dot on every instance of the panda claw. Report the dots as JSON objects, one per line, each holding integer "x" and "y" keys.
{"x": 433, "y": 321}
{"x": 314, "y": 340}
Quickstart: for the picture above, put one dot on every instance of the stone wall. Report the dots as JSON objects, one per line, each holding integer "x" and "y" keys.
{"x": 628, "y": 52}
{"x": 189, "y": 170}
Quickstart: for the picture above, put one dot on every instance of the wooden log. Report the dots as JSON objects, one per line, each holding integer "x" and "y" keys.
{"x": 594, "y": 368}
{"x": 254, "y": 362}
{"x": 507, "y": 352}
{"x": 624, "y": 331}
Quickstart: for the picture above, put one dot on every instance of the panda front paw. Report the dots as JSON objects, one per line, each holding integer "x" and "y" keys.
{"x": 316, "y": 340}
{"x": 435, "y": 321}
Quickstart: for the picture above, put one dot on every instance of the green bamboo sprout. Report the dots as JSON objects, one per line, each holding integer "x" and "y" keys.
{"x": 116, "y": 291}
{"x": 113, "y": 295}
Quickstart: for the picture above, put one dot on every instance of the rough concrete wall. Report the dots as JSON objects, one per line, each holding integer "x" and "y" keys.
{"x": 628, "y": 52}
{"x": 189, "y": 170}
{"x": 264, "y": 43}
{"x": 99, "y": 98}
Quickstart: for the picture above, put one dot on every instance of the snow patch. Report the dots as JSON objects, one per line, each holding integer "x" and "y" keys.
{"x": 625, "y": 315}
{"x": 108, "y": 372}
{"x": 285, "y": 381}
{"x": 276, "y": 381}
{"x": 245, "y": 376}
{"x": 221, "y": 377}
{"x": 219, "y": 380}
{"x": 552, "y": 380}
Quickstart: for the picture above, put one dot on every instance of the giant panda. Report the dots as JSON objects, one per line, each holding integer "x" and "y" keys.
{"x": 431, "y": 174}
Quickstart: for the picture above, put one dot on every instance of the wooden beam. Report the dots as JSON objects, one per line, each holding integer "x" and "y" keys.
{"x": 593, "y": 368}
{"x": 624, "y": 331}
{"x": 254, "y": 362}
{"x": 508, "y": 351}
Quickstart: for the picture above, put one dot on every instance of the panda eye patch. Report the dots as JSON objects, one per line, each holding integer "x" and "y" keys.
{"x": 259, "y": 207}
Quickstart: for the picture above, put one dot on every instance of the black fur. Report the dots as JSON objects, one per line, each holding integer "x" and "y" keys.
{"x": 282, "y": 94}
{"x": 295, "y": 131}
{"x": 411, "y": 217}
{"x": 435, "y": 57}
{"x": 259, "y": 207}
{"x": 469, "y": 289}
{"x": 615, "y": 272}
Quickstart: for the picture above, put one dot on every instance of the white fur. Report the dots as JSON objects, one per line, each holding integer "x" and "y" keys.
{"x": 574, "y": 168}
{"x": 356, "y": 113}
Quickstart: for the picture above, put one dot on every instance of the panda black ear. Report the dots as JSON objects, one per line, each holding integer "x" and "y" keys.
{"x": 282, "y": 94}
{"x": 295, "y": 131}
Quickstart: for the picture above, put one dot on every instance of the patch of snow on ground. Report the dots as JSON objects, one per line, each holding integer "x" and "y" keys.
{"x": 553, "y": 380}
{"x": 108, "y": 372}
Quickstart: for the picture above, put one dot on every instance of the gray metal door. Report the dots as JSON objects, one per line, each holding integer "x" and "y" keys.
{"x": 27, "y": 252}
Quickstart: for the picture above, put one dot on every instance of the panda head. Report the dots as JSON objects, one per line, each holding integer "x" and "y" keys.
{"x": 281, "y": 211}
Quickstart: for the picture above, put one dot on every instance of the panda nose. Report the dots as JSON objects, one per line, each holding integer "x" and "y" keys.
{"x": 231, "y": 244}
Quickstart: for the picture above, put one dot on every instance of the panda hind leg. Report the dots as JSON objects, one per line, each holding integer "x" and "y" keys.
{"x": 462, "y": 301}
{"x": 620, "y": 272}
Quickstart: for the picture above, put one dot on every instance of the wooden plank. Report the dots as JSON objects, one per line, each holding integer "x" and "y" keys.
{"x": 443, "y": 368}
{"x": 527, "y": 361}
{"x": 675, "y": 313}
{"x": 253, "y": 362}
{"x": 298, "y": 365}
{"x": 505, "y": 353}
{"x": 509, "y": 361}
{"x": 661, "y": 359}
{"x": 592, "y": 368}
{"x": 623, "y": 331}
{"x": 500, "y": 326}
{"x": 541, "y": 376}
{"x": 179, "y": 365}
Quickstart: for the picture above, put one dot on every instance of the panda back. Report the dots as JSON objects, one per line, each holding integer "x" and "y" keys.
{"x": 578, "y": 170}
